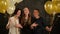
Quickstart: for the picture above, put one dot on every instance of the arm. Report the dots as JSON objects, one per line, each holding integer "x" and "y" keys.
{"x": 8, "y": 24}
{"x": 18, "y": 26}
{"x": 47, "y": 26}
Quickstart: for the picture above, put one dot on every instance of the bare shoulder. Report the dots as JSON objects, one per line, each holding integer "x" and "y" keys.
{"x": 11, "y": 18}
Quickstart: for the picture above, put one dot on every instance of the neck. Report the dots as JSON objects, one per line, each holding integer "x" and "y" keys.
{"x": 16, "y": 17}
{"x": 26, "y": 16}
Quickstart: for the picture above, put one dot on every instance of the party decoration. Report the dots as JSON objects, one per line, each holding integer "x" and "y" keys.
{"x": 11, "y": 6}
{"x": 57, "y": 6}
{"x": 3, "y": 6}
{"x": 10, "y": 10}
{"x": 48, "y": 7}
{"x": 17, "y": 1}
{"x": 51, "y": 7}
{"x": 55, "y": 0}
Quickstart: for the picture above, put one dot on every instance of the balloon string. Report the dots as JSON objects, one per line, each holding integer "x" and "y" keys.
{"x": 52, "y": 20}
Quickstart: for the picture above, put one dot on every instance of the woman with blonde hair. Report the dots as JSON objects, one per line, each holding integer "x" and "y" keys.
{"x": 26, "y": 21}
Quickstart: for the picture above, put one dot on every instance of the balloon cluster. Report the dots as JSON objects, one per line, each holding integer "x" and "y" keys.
{"x": 8, "y": 5}
{"x": 52, "y": 6}
{"x": 3, "y": 6}
{"x": 11, "y": 6}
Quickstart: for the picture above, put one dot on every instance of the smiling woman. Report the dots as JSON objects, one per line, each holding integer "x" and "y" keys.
{"x": 13, "y": 23}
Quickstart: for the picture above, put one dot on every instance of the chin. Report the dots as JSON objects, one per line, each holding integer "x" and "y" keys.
{"x": 18, "y": 16}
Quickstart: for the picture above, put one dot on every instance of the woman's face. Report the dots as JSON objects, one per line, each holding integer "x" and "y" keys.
{"x": 36, "y": 13}
{"x": 18, "y": 13}
{"x": 26, "y": 11}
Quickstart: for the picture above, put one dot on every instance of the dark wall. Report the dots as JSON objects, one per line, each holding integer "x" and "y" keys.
{"x": 3, "y": 22}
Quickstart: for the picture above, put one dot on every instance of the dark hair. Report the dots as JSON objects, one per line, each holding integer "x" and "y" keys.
{"x": 15, "y": 12}
{"x": 25, "y": 7}
{"x": 37, "y": 9}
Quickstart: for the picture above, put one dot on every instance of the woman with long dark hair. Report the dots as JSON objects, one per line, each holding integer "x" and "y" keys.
{"x": 13, "y": 23}
{"x": 26, "y": 21}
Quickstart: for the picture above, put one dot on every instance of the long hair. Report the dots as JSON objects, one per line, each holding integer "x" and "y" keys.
{"x": 15, "y": 12}
{"x": 23, "y": 18}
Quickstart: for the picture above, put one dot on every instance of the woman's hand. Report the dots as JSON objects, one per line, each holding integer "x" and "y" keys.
{"x": 19, "y": 26}
{"x": 7, "y": 27}
{"x": 48, "y": 29}
{"x": 34, "y": 25}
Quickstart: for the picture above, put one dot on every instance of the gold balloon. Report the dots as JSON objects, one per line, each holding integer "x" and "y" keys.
{"x": 57, "y": 6}
{"x": 11, "y": 6}
{"x": 55, "y": 0}
{"x": 18, "y": 1}
{"x": 49, "y": 7}
{"x": 3, "y": 6}
{"x": 10, "y": 10}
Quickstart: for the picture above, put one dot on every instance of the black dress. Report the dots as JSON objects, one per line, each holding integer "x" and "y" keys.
{"x": 41, "y": 26}
{"x": 26, "y": 29}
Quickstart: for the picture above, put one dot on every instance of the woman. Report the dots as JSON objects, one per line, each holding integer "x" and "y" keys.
{"x": 38, "y": 25}
{"x": 26, "y": 21}
{"x": 13, "y": 23}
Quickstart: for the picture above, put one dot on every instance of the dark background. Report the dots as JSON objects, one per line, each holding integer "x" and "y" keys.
{"x": 32, "y": 4}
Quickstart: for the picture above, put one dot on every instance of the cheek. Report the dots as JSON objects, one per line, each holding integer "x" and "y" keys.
{"x": 35, "y": 13}
{"x": 19, "y": 14}
{"x": 26, "y": 12}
